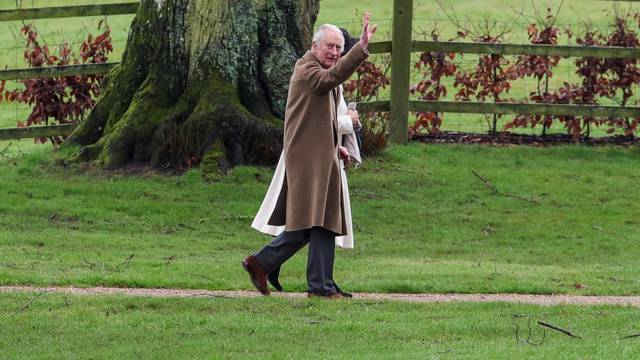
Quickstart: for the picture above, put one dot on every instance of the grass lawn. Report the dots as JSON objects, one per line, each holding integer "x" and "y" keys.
{"x": 423, "y": 223}
{"x": 123, "y": 327}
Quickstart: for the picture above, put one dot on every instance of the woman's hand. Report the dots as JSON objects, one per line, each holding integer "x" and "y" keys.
{"x": 355, "y": 117}
{"x": 344, "y": 155}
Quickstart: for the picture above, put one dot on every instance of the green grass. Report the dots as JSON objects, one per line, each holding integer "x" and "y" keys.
{"x": 57, "y": 326}
{"x": 423, "y": 223}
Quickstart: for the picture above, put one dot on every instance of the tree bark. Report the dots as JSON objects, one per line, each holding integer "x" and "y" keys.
{"x": 201, "y": 81}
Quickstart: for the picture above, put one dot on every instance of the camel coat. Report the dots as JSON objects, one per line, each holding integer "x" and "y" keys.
{"x": 347, "y": 137}
{"x": 311, "y": 191}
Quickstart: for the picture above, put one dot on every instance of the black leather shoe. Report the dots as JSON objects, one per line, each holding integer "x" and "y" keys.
{"x": 343, "y": 293}
{"x": 273, "y": 279}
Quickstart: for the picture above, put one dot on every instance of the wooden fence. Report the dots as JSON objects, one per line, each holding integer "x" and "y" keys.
{"x": 401, "y": 46}
{"x": 32, "y": 73}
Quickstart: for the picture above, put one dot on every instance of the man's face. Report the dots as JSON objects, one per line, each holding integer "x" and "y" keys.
{"x": 328, "y": 49}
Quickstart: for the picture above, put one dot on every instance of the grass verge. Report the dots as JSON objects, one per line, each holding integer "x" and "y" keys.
{"x": 106, "y": 327}
{"x": 423, "y": 223}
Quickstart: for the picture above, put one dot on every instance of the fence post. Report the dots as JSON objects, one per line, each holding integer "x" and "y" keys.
{"x": 400, "y": 69}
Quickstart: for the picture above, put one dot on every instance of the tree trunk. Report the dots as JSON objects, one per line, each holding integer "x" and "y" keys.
{"x": 201, "y": 81}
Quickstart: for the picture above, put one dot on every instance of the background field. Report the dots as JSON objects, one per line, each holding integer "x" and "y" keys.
{"x": 428, "y": 15}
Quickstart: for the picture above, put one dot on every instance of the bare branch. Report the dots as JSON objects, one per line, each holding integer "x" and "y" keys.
{"x": 495, "y": 191}
{"x": 486, "y": 182}
{"x": 556, "y": 328}
{"x": 27, "y": 304}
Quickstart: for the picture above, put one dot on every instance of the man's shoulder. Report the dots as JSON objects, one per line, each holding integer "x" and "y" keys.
{"x": 304, "y": 66}
{"x": 305, "y": 63}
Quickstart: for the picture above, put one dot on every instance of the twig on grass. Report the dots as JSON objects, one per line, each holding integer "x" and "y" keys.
{"x": 125, "y": 263}
{"x": 111, "y": 268}
{"x": 631, "y": 336}
{"x": 27, "y": 304}
{"x": 556, "y": 328}
{"x": 3, "y": 152}
{"x": 89, "y": 265}
{"x": 495, "y": 191}
{"x": 520, "y": 198}
{"x": 202, "y": 276}
{"x": 486, "y": 182}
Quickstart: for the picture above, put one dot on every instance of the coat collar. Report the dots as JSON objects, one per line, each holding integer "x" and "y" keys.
{"x": 309, "y": 56}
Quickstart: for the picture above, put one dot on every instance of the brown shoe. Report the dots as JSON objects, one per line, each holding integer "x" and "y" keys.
{"x": 256, "y": 274}
{"x": 327, "y": 297}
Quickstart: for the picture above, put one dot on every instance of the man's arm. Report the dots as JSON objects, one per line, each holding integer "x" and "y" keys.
{"x": 324, "y": 80}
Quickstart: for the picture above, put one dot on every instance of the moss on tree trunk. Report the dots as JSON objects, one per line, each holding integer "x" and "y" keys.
{"x": 200, "y": 80}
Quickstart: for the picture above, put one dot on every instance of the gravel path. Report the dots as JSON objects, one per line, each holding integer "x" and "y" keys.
{"x": 418, "y": 298}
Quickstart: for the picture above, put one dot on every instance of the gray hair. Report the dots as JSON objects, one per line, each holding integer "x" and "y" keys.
{"x": 319, "y": 35}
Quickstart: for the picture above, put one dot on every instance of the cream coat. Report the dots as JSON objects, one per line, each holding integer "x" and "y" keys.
{"x": 311, "y": 191}
{"x": 346, "y": 138}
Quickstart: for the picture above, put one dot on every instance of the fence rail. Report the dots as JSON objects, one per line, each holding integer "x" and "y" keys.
{"x": 470, "y": 107}
{"x": 566, "y": 51}
{"x": 524, "y": 108}
{"x": 374, "y": 48}
{"x": 526, "y": 49}
{"x": 69, "y": 11}
{"x": 36, "y": 131}
{"x": 55, "y": 71}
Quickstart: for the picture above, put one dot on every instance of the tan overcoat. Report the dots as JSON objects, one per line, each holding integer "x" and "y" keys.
{"x": 311, "y": 194}
{"x": 346, "y": 133}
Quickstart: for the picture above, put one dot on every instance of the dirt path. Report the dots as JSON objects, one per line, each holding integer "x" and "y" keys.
{"x": 419, "y": 298}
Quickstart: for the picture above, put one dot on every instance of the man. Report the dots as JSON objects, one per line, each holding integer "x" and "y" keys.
{"x": 310, "y": 204}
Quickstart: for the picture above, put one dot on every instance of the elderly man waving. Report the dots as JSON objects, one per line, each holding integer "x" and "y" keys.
{"x": 309, "y": 205}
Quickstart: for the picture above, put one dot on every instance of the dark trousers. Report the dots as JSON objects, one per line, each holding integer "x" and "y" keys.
{"x": 319, "y": 262}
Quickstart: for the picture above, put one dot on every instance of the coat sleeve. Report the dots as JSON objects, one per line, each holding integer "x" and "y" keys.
{"x": 324, "y": 80}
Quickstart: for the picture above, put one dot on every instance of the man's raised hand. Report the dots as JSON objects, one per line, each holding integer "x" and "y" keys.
{"x": 367, "y": 31}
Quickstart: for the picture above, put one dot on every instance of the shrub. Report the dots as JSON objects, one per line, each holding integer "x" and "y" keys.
{"x": 64, "y": 99}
